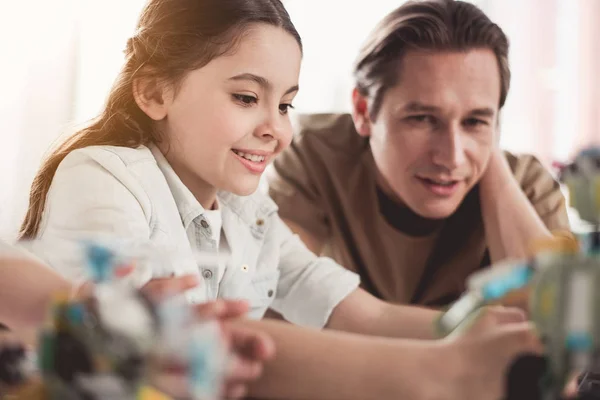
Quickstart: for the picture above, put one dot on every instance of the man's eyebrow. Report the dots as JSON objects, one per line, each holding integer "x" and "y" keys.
{"x": 415, "y": 106}
{"x": 483, "y": 112}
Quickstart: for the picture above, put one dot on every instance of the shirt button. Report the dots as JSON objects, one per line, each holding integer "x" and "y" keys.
{"x": 207, "y": 274}
{"x": 245, "y": 268}
{"x": 260, "y": 222}
{"x": 204, "y": 224}
{"x": 270, "y": 293}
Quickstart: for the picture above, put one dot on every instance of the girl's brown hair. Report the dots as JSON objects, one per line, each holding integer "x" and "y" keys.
{"x": 173, "y": 37}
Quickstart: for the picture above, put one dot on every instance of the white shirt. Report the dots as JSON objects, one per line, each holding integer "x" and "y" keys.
{"x": 216, "y": 223}
{"x": 135, "y": 194}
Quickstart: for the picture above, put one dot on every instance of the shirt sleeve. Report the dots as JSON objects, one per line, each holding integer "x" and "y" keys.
{"x": 92, "y": 196}
{"x": 542, "y": 190}
{"x": 309, "y": 287}
{"x": 293, "y": 187}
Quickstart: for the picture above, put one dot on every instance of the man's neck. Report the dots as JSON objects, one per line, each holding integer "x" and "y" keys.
{"x": 403, "y": 219}
{"x": 387, "y": 190}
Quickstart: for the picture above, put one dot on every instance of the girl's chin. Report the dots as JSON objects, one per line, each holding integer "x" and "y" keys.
{"x": 244, "y": 188}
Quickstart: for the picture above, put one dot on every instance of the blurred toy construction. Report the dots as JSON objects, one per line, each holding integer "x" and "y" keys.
{"x": 114, "y": 343}
{"x": 558, "y": 287}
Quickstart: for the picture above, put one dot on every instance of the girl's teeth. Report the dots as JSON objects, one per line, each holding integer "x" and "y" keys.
{"x": 251, "y": 157}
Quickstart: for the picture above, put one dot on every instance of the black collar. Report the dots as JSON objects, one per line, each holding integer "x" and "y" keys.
{"x": 410, "y": 223}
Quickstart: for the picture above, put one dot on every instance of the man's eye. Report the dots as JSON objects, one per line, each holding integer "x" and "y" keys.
{"x": 422, "y": 119}
{"x": 475, "y": 122}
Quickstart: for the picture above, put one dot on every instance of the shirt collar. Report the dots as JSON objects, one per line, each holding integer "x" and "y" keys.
{"x": 188, "y": 206}
{"x": 249, "y": 209}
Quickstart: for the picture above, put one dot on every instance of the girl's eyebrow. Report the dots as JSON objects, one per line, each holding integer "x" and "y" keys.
{"x": 263, "y": 82}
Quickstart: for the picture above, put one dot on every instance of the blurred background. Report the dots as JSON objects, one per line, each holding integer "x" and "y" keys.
{"x": 60, "y": 58}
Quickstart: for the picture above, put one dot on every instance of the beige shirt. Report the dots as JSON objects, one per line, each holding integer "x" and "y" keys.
{"x": 325, "y": 182}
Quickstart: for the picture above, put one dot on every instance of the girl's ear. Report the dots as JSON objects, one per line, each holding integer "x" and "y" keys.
{"x": 152, "y": 95}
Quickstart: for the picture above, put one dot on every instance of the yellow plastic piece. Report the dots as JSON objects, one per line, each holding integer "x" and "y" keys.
{"x": 547, "y": 296}
{"x": 562, "y": 241}
{"x": 149, "y": 393}
{"x": 571, "y": 190}
{"x": 30, "y": 391}
{"x": 60, "y": 297}
{"x": 596, "y": 191}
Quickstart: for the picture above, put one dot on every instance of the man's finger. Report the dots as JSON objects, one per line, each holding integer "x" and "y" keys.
{"x": 236, "y": 391}
{"x": 222, "y": 309}
{"x": 234, "y": 308}
{"x": 516, "y": 339}
{"x": 243, "y": 370}
{"x": 84, "y": 291}
{"x": 161, "y": 288}
{"x": 507, "y": 315}
{"x": 249, "y": 343}
{"x": 572, "y": 386}
{"x": 486, "y": 319}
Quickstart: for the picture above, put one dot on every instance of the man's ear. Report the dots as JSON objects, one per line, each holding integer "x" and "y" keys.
{"x": 152, "y": 95}
{"x": 360, "y": 113}
{"x": 497, "y": 130}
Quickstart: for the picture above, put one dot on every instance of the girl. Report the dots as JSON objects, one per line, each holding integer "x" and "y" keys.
{"x": 198, "y": 111}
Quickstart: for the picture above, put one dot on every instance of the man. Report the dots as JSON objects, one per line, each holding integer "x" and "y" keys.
{"x": 411, "y": 190}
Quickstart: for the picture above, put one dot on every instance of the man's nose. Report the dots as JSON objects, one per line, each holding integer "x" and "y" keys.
{"x": 449, "y": 150}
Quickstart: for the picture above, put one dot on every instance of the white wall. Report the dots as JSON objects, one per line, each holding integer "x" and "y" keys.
{"x": 36, "y": 81}
{"x": 65, "y": 54}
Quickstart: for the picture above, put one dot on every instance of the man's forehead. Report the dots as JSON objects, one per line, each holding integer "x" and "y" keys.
{"x": 472, "y": 61}
{"x": 468, "y": 79}
{"x": 424, "y": 107}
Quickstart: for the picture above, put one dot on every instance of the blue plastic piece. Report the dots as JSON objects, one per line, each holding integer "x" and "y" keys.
{"x": 100, "y": 260}
{"x": 203, "y": 377}
{"x": 590, "y": 152}
{"x": 517, "y": 279}
{"x": 579, "y": 341}
{"x": 75, "y": 313}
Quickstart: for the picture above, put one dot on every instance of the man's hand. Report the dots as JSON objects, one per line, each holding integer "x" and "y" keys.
{"x": 159, "y": 289}
{"x": 156, "y": 289}
{"x": 480, "y": 358}
{"x": 511, "y": 222}
{"x": 498, "y": 170}
{"x": 249, "y": 347}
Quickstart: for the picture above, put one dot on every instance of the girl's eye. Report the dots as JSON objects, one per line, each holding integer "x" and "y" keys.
{"x": 245, "y": 99}
{"x": 284, "y": 108}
